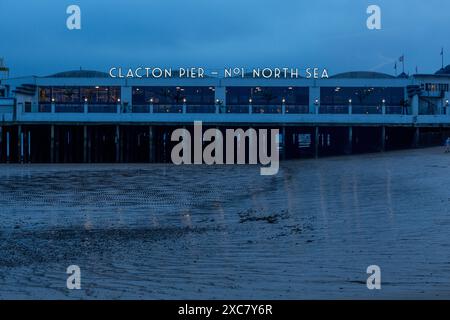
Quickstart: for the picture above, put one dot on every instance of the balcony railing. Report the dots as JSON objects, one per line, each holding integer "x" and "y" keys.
{"x": 228, "y": 109}
{"x": 326, "y": 109}
{"x": 201, "y": 109}
{"x": 102, "y": 108}
{"x": 158, "y": 108}
{"x": 297, "y": 109}
{"x": 398, "y": 110}
{"x": 367, "y": 110}
{"x": 140, "y": 108}
{"x": 237, "y": 109}
{"x": 44, "y": 107}
{"x": 69, "y": 108}
{"x": 267, "y": 109}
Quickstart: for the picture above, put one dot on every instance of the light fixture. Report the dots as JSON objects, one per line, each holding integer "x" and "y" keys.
{"x": 85, "y": 99}
{"x": 97, "y": 87}
{"x": 283, "y": 100}
{"x": 151, "y": 100}
{"x": 349, "y": 100}
{"x": 118, "y": 99}
{"x": 53, "y": 99}
{"x": 250, "y": 100}
{"x": 184, "y": 100}
{"x": 316, "y": 102}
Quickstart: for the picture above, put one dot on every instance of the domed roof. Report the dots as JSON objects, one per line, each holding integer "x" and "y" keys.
{"x": 444, "y": 71}
{"x": 79, "y": 74}
{"x": 362, "y": 75}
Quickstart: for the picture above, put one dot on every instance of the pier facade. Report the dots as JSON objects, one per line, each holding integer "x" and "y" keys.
{"x": 87, "y": 116}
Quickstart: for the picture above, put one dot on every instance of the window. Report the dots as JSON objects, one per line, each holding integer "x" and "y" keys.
{"x": 267, "y": 95}
{"x": 361, "y": 96}
{"x": 173, "y": 95}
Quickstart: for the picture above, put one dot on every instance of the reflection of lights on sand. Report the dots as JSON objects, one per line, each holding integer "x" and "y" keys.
{"x": 187, "y": 220}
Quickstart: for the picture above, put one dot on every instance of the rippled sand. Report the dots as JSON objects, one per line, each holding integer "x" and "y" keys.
{"x": 163, "y": 232}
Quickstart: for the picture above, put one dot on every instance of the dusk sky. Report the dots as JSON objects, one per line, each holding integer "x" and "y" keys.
{"x": 223, "y": 33}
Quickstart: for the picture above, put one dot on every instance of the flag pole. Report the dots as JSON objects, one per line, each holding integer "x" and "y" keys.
{"x": 403, "y": 63}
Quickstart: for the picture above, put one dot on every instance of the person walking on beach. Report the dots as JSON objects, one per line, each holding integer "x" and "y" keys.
{"x": 447, "y": 145}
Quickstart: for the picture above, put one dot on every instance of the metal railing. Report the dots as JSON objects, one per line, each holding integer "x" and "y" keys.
{"x": 102, "y": 108}
{"x": 159, "y": 108}
{"x": 237, "y": 109}
{"x": 43, "y": 107}
{"x": 69, "y": 108}
{"x": 297, "y": 109}
{"x": 327, "y": 109}
{"x": 367, "y": 110}
{"x": 267, "y": 109}
{"x": 140, "y": 108}
{"x": 398, "y": 110}
{"x": 227, "y": 109}
{"x": 201, "y": 109}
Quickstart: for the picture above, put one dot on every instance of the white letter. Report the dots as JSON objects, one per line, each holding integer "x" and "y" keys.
{"x": 216, "y": 146}
{"x": 74, "y": 20}
{"x": 374, "y": 280}
{"x": 74, "y": 280}
{"x": 374, "y": 21}
{"x": 264, "y": 159}
{"x": 184, "y": 145}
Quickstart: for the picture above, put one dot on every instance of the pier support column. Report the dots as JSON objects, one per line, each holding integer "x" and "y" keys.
{"x": 29, "y": 147}
{"x": 20, "y": 143}
{"x": 283, "y": 143}
{"x": 383, "y": 139}
{"x": 151, "y": 145}
{"x": 8, "y": 143}
{"x": 415, "y": 143}
{"x": 1, "y": 143}
{"x": 316, "y": 142}
{"x": 52, "y": 144}
{"x": 350, "y": 141}
{"x": 117, "y": 142}
{"x": 85, "y": 144}
{"x": 121, "y": 154}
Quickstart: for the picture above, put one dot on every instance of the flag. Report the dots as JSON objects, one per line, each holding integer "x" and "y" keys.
{"x": 402, "y": 58}
{"x": 395, "y": 66}
{"x": 442, "y": 51}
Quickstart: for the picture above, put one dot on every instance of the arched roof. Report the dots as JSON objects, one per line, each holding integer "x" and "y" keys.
{"x": 79, "y": 74}
{"x": 362, "y": 75}
{"x": 444, "y": 71}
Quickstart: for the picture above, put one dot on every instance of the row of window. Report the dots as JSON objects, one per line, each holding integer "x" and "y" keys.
{"x": 79, "y": 95}
{"x": 334, "y": 96}
{"x": 439, "y": 87}
{"x": 173, "y": 95}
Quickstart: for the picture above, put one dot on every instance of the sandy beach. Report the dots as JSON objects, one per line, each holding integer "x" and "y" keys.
{"x": 226, "y": 232}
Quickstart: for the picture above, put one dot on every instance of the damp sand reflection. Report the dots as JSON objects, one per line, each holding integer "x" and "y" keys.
{"x": 188, "y": 232}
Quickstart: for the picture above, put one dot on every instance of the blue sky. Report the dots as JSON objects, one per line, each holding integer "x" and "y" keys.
{"x": 217, "y": 33}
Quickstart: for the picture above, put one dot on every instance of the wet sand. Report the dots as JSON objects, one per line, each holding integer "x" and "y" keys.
{"x": 225, "y": 232}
